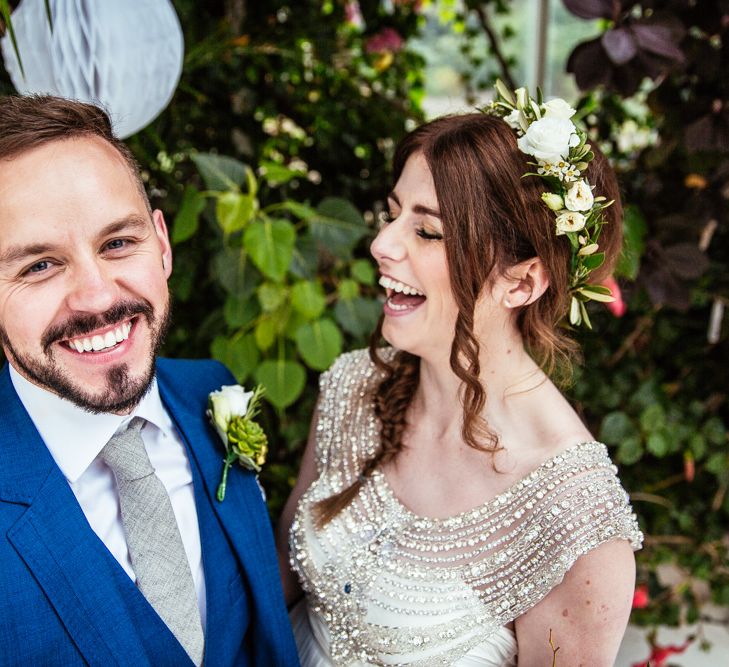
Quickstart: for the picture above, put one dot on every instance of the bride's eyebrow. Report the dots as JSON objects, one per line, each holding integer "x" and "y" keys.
{"x": 418, "y": 208}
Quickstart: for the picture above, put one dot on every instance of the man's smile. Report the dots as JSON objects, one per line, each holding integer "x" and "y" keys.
{"x": 102, "y": 339}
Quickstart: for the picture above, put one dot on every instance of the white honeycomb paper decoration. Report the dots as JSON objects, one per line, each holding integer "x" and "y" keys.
{"x": 124, "y": 55}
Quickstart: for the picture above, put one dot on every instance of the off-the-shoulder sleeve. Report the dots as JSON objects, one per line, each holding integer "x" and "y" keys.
{"x": 571, "y": 505}
{"x": 344, "y": 435}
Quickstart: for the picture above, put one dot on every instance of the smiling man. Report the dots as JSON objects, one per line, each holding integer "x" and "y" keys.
{"x": 113, "y": 549}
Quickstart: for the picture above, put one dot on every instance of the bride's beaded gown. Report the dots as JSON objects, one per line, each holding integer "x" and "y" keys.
{"x": 387, "y": 587}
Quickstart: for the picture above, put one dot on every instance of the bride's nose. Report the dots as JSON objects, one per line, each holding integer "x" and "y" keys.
{"x": 389, "y": 242}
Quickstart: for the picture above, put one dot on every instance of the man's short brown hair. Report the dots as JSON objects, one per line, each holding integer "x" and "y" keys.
{"x": 29, "y": 121}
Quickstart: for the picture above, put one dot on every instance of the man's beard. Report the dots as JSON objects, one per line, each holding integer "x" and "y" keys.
{"x": 122, "y": 392}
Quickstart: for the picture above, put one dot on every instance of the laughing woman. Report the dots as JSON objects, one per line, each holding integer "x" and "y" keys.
{"x": 452, "y": 508}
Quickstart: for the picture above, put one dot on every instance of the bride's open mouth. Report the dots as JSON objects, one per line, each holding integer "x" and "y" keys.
{"x": 401, "y": 297}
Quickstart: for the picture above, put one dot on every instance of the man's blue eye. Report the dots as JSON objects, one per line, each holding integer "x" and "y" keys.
{"x": 115, "y": 244}
{"x": 39, "y": 266}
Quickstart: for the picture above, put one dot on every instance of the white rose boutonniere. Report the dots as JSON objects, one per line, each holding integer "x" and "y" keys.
{"x": 231, "y": 411}
{"x": 549, "y": 139}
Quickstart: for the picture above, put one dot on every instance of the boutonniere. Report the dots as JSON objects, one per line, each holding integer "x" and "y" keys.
{"x": 231, "y": 411}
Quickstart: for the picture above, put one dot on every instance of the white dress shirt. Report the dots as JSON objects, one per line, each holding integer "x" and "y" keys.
{"x": 75, "y": 437}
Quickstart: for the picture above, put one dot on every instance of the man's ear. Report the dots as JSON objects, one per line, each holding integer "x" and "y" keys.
{"x": 526, "y": 282}
{"x": 160, "y": 228}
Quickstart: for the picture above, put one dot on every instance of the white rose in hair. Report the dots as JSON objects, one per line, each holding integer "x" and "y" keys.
{"x": 549, "y": 139}
{"x": 513, "y": 120}
{"x": 558, "y": 108}
{"x": 570, "y": 221}
{"x": 579, "y": 197}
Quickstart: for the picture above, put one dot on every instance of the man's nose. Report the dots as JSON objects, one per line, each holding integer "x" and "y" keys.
{"x": 92, "y": 288}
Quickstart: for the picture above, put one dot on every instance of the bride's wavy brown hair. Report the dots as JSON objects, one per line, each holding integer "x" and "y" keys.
{"x": 493, "y": 218}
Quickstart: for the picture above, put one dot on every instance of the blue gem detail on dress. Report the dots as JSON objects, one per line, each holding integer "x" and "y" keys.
{"x": 347, "y": 588}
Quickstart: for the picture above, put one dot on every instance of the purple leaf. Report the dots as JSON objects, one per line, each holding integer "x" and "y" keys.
{"x": 590, "y": 65}
{"x": 657, "y": 39}
{"x": 620, "y": 45}
{"x": 593, "y": 9}
{"x": 685, "y": 260}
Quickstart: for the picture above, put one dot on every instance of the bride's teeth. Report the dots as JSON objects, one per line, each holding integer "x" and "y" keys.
{"x": 397, "y": 286}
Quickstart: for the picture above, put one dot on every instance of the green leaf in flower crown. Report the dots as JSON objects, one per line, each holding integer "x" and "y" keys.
{"x": 186, "y": 221}
{"x": 591, "y": 262}
{"x": 234, "y": 211}
{"x": 283, "y": 379}
{"x": 358, "y": 316}
{"x": 319, "y": 343}
{"x": 220, "y": 172}
{"x": 338, "y": 226}
{"x": 270, "y": 244}
{"x": 239, "y": 354}
{"x": 596, "y": 293}
{"x": 307, "y": 297}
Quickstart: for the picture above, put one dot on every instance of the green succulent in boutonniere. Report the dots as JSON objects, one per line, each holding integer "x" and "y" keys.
{"x": 231, "y": 411}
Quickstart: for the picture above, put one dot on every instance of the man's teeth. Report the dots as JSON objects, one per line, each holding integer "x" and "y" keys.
{"x": 397, "y": 286}
{"x": 98, "y": 342}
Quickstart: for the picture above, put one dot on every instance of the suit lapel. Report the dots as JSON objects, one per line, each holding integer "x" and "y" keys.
{"x": 100, "y": 607}
{"x": 242, "y": 515}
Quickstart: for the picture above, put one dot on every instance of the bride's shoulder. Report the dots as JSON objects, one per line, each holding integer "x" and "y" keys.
{"x": 353, "y": 369}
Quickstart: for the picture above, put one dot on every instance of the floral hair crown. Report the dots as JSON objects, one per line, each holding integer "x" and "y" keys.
{"x": 562, "y": 156}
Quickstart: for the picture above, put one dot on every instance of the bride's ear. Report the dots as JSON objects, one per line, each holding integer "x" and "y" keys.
{"x": 524, "y": 283}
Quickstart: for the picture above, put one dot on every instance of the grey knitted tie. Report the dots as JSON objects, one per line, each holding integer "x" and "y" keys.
{"x": 155, "y": 546}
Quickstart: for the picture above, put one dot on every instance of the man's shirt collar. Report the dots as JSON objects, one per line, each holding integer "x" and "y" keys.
{"x": 75, "y": 437}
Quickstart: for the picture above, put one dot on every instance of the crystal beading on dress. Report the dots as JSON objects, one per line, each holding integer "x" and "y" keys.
{"x": 394, "y": 588}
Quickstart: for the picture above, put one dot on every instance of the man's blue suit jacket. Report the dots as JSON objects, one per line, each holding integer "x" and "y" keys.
{"x": 64, "y": 599}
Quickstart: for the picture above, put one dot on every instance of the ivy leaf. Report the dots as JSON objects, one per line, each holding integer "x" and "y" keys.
{"x": 188, "y": 216}
{"x": 271, "y": 296}
{"x": 239, "y": 312}
{"x": 338, "y": 226}
{"x": 358, "y": 316}
{"x": 634, "y": 232}
{"x": 265, "y": 332}
{"x": 616, "y": 427}
{"x": 348, "y": 289}
{"x": 306, "y": 257}
{"x": 657, "y": 444}
{"x": 283, "y": 379}
{"x": 270, "y": 244}
{"x": 630, "y": 451}
{"x": 652, "y": 418}
{"x": 234, "y": 211}
{"x": 240, "y": 355}
{"x": 319, "y": 343}
{"x": 363, "y": 272}
{"x": 220, "y": 172}
{"x": 307, "y": 297}
{"x": 234, "y": 273}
